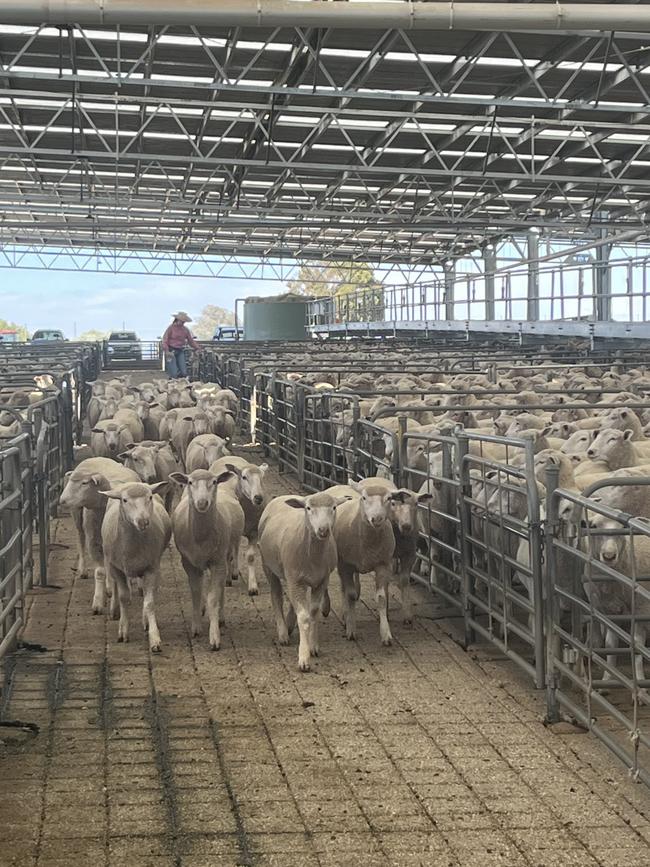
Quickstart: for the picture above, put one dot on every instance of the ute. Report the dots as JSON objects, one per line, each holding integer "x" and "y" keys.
{"x": 48, "y": 335}
{"x": 124, "y": 346}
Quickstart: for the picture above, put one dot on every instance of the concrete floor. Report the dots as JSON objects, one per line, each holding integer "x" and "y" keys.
{"x": 418, "y": 754}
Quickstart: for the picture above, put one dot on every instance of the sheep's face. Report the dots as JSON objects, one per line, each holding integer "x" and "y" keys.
{"x": 136, "y": 504}
{"x": 561, "y": 430}
{"x": 343, "y": 428}
{"x": 502, "y": 424}
{"x": 112, "y": 434}
{"x": 252, "y": 483}
{"x": 403, "y": 509}
{"x": 543, "y": 460}
{"x": 143, "y": 410}
{"x": 110, "y": 407}
{"x": 201, "y": 487}
{"x": 141, "y": 459}
{"x": 320, "y": 512}
{"x": 99, "y": 389}
{"x": 579, "y": 442}
{"x": 619, "y": 419}
{"x": 147, "y": 393}
{"x": 215, "y": 451}
{"x": 608, "y": 444}
{"x": 606, "y": 548}
{"x": 82, "y": 490}
{"x": 375, "y": 505}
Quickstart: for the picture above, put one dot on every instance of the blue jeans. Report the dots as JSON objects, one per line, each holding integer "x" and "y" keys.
{"x": 176, "y": 364}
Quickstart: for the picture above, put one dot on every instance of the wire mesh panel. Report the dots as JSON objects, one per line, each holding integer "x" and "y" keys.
{"x": 287, "y": 417}
{"x": 376, "y": 451}
{"x": 16, "y": 570}
{"x": 329, "y": 439}
{"x": 598, "y": 614}
{"x": 428, "y": 464}
{"x": 502, "y": 554}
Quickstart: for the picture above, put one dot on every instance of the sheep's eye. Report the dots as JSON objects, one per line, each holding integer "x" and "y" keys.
{"x": 84, "y": 483}
{"x": 309, "y": 508}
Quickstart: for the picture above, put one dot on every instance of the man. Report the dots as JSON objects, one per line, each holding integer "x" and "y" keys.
{"x": 174, "y": 341}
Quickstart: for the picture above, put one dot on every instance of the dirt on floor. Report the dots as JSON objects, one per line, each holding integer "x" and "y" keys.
{"x": 416, "y": 754}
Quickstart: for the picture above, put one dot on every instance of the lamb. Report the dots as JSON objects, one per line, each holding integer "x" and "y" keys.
{"x": 299, "y": 553}
{"x": 222, "y": 422}
{"x": 248, "y": 487}
{"x": 82, "y": 495}
{"x": 366, "y": 543}
{"x": 130, "y": 419}
{"x": 615, "y": 449}
{"x": 142, "y": 460}
{"x": 186, "y": 427}
{"x": 203, "y": 451}
{"x": 108, "y": 439}
{"x": 404, "y": 520}
{"x": 135, "y": 532}
{"x": 207, "y": 527}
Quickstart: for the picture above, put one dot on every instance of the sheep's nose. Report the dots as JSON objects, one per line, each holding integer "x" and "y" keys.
{"x": 323, "y": 532}
{"x": 258, "y": 500}
{"x": 590, "y": 453}
{"x": 377, "y": 520}
{"x": 143, "y": 523}
{"x": 609, "y": 555}
{"x": 406, "y": 528}
{"x": 112, "y": 447}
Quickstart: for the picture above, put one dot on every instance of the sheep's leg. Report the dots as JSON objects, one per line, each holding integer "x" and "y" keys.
{"x": 122, "y": 585}
{"x": 195, "y": 580}
{"x": 382, "y": 579}
{"x": 611, "y": 642}
{"x": 150, "y": 581}
{"x": 357, "y": 585}
{"x": 253, "y": 589}
{"x": 317, "y": 594}
{"x": 300, "y": 601}
{"x": 350, "y": 596}
{"x": 77, "y": 515}
{"x": 214, "y": 601}
{"x": 278, "y": 608}
{"x": 99, "y": 597}
{"x": 112, "y": 593}
{"x": 327, "y": 604}
{"x": 404, "y": 577}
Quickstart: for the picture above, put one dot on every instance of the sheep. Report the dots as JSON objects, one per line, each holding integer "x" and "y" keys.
{"x": 615, "y": 450}
{"x": 299, "y": 553}
{"x": 207, "y": 527}
{"x": 222, "y": 422}
{"x": 108, "y": 439}
{"x": 142, "y": 460}
{"x": 404, "y": 520}
{"x": 81, "y": 494}
{"x": 366, "y": 543}
{"x": 186, "y": 427}
{"x": 204, "y": 450}
{"x": 135, "y": 532}
{"x": 613, "y": 597}
{"x": 130, "y": 419}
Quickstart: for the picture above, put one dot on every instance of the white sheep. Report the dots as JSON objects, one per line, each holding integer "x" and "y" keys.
{"x": 203, "y": 451}
{"x": 135, "y": 532}
{"x": 108, "y": 439}
{"x": 299, "y": 553}
{"x": 207, "y": 528}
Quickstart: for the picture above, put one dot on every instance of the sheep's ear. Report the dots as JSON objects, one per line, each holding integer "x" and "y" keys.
{"x": 576, "y": 459}
{"x": 112, "y": 495}
{"x": 187, "y": 418}
{"x": 355, "y": 486}
{"x": 423, "y": 498}
{"x": 398, "y": 496}
{"x": 295, "y": 503}
{"x": 223, "y": 477}
{"x": 233, "y": 470}
{"x": 628, "y": 434}
{"x": 263, "y": 468}
{"x": 230, "y": 412}
{"x": 123, "y": 456}
{"x": 97, "y": 430}
{"x": 158, "y": 486}
{"x": 546, "y": 430}
{"x": 130, "y": 446}
{"x": 340, "y": 500}
{"x": 179, "y": 478}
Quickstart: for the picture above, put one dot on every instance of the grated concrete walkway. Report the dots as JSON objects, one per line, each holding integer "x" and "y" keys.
{"x": 412, "y": 755}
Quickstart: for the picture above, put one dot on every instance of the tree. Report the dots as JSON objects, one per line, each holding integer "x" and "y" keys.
{"x": 341, "y": 279}
{"x": 5, "y": 325}
{"x": 210, "y": 317}
{"x": 92, "y": 336}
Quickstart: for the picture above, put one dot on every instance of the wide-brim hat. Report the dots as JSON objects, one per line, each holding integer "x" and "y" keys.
{"x": 182, "y": 316}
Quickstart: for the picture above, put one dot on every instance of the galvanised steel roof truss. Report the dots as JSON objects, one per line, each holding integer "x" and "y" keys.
{"x": 388, "y": 146}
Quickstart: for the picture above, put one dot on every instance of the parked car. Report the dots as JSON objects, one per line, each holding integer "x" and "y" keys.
{"x": 48, "y": 335}
{"x": 124, "y": 346}
{"x": 228, "y": 333}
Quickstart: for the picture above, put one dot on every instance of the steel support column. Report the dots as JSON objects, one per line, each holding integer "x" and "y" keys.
{"x": 532, "y": 296}
{"x": 489, "y": 266}
{"x": 603, "y": 284}
{"x": 450, "y": 280}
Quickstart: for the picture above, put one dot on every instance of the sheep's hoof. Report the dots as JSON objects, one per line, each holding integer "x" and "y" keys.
{"x": 408, "y": 621}
{"x": 351, "y": 636}
{"x": 156, "y": 648}
{"x": 327, "y": 607}
{"x": 315, "y": 651}
{"x": 253, "y": 591}
{"x": 214, "y": 645}
{"x": 196, "y": 631}
{"x": 98, "y": 609}
{"x": 304, "y": 666}
{"x": 387, "y": 641}
{"x": 228, "y": 582}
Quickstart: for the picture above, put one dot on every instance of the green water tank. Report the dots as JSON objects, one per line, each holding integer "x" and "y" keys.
{"x": 279, "y": 318}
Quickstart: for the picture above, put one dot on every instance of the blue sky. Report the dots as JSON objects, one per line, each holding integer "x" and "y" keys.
{"x": 59, "y": 299}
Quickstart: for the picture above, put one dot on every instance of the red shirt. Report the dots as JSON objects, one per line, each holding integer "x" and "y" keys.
{"x": 176, "y": 336}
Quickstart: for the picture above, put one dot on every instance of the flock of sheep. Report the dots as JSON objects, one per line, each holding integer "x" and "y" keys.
{"x": 162, "y": 467}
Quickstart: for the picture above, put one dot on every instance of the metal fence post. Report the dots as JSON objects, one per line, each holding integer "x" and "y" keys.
{"x": 550, "y": 577}
{"x": 535, "y": 546}
{"x": 299, "y": 404}
{"x": 399, "y": 453}
{"x": 465, "y": 520}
